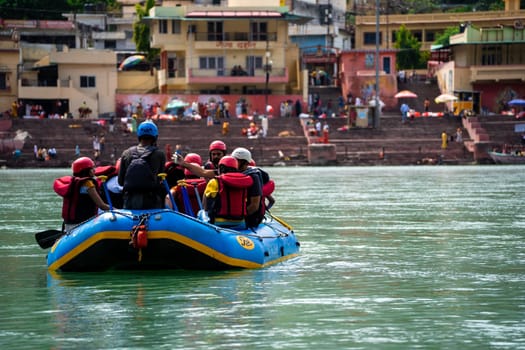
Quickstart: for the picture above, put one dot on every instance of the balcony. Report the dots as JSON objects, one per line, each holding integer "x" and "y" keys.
{"x": 214, "y": 41}
{"x": 109, "y": 35}
{"x": 32, "y": 88}
{"x": 224, "y": 76}
{"x": 235, "y": 36}
{"x": 515, "y": 72}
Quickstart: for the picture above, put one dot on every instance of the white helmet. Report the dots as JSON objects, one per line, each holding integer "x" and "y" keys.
{"x": 242, "y": 153}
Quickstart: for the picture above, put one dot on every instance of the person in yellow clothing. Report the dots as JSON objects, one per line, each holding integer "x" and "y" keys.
{"x": 225, "y": 195}
{"x": 14, "y": 109}
{"x": 444, "y": 140}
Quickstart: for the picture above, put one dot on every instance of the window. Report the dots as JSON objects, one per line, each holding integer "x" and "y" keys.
{"x": 386, "y": 64}
{"x": 110, "y": 44}
{"x": 212, "y": 62}
{"x": 215, "y": 32}
{"x": 87, "y": 81}
{"x": 430, "y": 36}
{"x": 163, "y": 26}
{"x": 491, "y": 55}
{"x": 418, "y": 35}
{"x": 370, "y": 60}
{"x": 3, "y": 81}
{"x": 253, "y": 63}
{"x": 175, "y": 27}
{"x": 259, "y": 31}
{"x": 369, "y": 38}
{"x": 172, "y": 67}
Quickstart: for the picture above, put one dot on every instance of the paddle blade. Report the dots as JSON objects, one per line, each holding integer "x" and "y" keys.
{"x": 46, "y": 239}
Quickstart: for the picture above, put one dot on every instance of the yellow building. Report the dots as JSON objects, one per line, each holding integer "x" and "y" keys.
{"x": 485, "y": 68}
{"x": 8, "y": 64}
{"x": 236, "y": 49}
{"x": 61, "y": 81}
{"x": 427, "y": 27}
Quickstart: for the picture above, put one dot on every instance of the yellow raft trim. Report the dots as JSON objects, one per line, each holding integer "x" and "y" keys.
{"x": 124, "y": 235}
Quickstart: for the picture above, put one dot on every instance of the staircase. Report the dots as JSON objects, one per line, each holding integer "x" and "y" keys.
{"x": 328, "y": 95}
{"x": 395, "y": 143}
{"x": 491, "y": 131}
{"x": 193, "y": 136}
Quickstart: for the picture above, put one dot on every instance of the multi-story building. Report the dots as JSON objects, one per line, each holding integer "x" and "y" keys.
{"x": 234, "y": 49}
{"x": 484, "y": 67}
{"x": 61, "y": 81}
{"x": 100, "y": 29}
{"x": 426, "y": 27}
{"x": 9, "y": 53}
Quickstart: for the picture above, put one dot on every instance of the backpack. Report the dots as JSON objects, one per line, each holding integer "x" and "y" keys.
{"x": 139, "y": 174}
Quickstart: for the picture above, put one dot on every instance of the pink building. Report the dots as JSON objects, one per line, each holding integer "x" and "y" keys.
{"x": 358, "y": 75}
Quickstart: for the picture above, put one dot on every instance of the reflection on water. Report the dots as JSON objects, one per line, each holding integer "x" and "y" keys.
{"x": 391, "y": 257}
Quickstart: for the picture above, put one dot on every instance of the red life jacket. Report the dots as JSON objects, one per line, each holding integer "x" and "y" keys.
{"x": 233, "y": 191}
{"x": 76, "y": 207}
{"x": 190, "y": 184}
{"x": 267, "y": 190}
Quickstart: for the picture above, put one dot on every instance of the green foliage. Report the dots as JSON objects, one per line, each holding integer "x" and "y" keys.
{"x": 33, "y": 9}
{"x": 409, "y": 56}
{"x": 46, "y": 9}
{"x": 141, "y": 31}
{"x": 443, "y": 39}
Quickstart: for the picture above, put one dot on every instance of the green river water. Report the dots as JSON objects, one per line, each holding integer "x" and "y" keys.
{"x": 391, "y": 258}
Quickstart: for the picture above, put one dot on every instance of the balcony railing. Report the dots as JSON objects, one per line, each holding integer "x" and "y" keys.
{"x": 46, "y": 83}
{"x": 515, "y": 72}
{"x": 224, "y": 76}
{"x": 235, "y": 36}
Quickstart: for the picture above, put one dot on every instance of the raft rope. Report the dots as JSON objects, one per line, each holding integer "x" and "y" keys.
{"x": 139, "y": 235}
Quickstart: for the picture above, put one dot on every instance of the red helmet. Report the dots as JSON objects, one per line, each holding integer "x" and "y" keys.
{"x": 218, "y": 145}
{"x": 189, "y": 174}
{"x": 229, "y": 162}
{"x": 193, "y": 158}
{"x": 82, "y": 163}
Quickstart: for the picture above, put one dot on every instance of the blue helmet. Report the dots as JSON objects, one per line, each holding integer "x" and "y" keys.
{"x": 147, "y": 128}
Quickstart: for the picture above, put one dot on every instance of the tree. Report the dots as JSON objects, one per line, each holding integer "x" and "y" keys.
{"x": 141, "y": 31}
{"x": 409, "y": 56}
{"x": 46, "y": 9}
{"x": 443, "y": 39}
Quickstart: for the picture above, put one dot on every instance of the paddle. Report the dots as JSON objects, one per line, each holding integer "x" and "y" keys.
{"x": 46, "y": 239}
{"x": 186, "y": 199}
{"x": 104, "y": 178}
{"x": 165, "y": 182}
{"x": 197, "y": 194}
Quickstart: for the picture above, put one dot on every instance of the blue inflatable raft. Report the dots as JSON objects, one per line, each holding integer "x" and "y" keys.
{"x": 166, "y": 239}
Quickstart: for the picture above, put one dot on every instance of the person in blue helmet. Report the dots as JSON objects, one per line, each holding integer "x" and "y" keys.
{"x": 139, "y": 167}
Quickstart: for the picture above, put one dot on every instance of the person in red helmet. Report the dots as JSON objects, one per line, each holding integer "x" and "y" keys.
{"x": 225, "y": 195}
{"x": 217, "y": 150}
{"x": 210, "y": 170}
{"x": 191, "y": 186}
{"x": 80, "y": 192}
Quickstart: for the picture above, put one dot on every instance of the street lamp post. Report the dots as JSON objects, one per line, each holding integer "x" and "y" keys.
{"x": 377, "y": 114}
{"x": 267, "y": 70}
